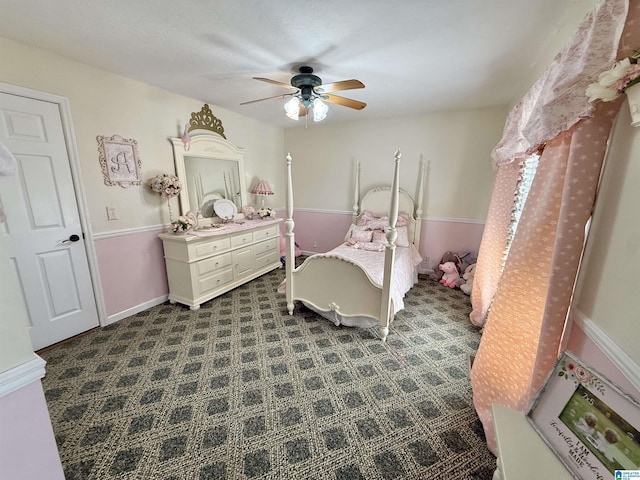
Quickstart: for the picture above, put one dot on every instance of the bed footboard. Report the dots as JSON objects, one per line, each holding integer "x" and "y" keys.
{"x": 334, "y": 284}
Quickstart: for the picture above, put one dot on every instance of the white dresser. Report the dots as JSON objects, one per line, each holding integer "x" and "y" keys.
{"x": 209, "y": 263}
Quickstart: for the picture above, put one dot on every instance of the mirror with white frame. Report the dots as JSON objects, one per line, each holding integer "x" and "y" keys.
{"x": 210, "y": 168}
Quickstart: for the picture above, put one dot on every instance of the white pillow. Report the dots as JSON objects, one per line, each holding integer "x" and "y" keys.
{"x": 358, "y": 234}
{"x": 370, "y": 246}
{"x": 402, "y": 240}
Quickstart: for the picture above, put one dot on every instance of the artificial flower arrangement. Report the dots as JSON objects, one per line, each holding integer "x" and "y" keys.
{"x": 248, "y": 211}
{"x": 166, "y": 185}
{"x": 612, "y": 83}
{"x": 266, "y": 212}
{"x": 184, "y": 223}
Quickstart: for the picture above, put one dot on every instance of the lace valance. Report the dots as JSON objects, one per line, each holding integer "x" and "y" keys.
{"x": 557, "y": 100}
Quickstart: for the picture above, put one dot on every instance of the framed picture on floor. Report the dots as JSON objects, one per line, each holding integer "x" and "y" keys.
{"x": 590, "y": 424}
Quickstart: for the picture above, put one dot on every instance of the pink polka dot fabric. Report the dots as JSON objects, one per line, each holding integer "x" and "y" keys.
{"x": 523, "y": 329}
{"x": 494, "y": 238}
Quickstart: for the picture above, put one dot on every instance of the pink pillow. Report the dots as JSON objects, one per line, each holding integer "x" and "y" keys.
{"x": 365, "y": 217}
{"x": 403, "y": 219}
{"x": 379, "y": 237}
{"x": 374, "y": 222}
{"x": 378, "y": 223}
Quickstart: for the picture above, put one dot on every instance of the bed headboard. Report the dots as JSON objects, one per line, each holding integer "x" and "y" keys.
{"x": 377, "y": 200}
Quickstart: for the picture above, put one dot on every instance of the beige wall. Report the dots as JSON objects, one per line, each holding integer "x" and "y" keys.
{"x": 553, "y": 44}
{"x": 456, "y": 144}
{"x": 608, "y": 286}
{"x": 106, "y": 104}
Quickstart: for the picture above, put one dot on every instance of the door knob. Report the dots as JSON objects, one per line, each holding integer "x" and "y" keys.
{"x": 72, "y": 238}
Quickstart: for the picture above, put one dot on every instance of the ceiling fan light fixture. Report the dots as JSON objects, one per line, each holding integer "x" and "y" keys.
{"x": 320, "y": 110}
{"x": 312, "y": 94}
{"x": 292, "y": 108}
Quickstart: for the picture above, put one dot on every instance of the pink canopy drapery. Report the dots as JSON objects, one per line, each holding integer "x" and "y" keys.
{"x": 526, "y": 303}
{"x": 522, "y": 335}
{"x": 557, "y": 101}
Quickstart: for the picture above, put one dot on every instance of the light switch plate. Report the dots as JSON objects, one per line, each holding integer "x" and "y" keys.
{"x": 112, "y": 213}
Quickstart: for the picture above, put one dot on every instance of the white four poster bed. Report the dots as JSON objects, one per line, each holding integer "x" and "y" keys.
{"x": 361, "y": 283}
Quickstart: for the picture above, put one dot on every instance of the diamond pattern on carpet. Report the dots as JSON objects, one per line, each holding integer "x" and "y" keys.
{"x": 240, "y": 389}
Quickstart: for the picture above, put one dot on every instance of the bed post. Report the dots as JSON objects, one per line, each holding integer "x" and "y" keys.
{"x": 418, "y": 227}
{"x": 356, "y": 192}
{"x": 290, "y": 239}
{"x": 386, "y": 307}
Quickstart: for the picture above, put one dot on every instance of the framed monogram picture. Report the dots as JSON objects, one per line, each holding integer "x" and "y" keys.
{"x": 119, "y": 160}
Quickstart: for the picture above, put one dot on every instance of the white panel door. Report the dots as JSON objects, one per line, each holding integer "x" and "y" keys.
{"x": 42, "y": 232}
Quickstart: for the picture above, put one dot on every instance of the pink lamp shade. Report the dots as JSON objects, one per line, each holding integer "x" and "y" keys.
{"x": 262, "y": 188}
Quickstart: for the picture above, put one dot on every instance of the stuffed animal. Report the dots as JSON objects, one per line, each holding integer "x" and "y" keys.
{"x": 468, "y": 278}
{"x": 450, "y": 274}
{"x": 283, "y": 249}
{"x": 465, "y": 260}
{"x": 447, "y": 257}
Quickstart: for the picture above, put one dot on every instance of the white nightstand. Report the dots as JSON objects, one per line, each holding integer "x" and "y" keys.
{"x": 522, "y": 454}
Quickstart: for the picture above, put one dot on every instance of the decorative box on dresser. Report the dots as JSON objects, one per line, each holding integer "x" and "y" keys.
{"x": 207, "y": 263}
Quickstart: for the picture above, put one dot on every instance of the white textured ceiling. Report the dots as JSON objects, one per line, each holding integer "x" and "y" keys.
{"x": 414, "y": 56}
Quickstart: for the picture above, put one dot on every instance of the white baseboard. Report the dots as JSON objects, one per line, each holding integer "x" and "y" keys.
{"x": 133, "y": 310}
{"x": 425, "y": 271}
{"x": 624, "y": 362}
{"x": 21, "y": 375}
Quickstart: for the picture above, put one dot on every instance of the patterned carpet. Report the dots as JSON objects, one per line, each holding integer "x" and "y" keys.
{"x": 240, "y": 389}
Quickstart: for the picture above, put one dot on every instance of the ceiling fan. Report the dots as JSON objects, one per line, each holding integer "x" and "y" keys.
{"x": 312, "y": 93}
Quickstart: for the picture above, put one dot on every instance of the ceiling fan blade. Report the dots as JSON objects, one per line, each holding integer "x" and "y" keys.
{"x": 302, "y": 111}
{"x": 345, "y": 102}
{"x": 275, "y": 82}
{"x": 337, "y": 86}
{"x": 267, "y": 98}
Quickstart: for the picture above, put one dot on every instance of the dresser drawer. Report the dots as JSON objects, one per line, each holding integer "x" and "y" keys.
{"x": 209, "y": 265}
{"x": 215, "y": 281}
{"x": 268, "y": 259}
{"x": 266, "y": 247}
{"x": 211, "y": 247}
{"x": 265, "y": 233}
{"x": 242, "y": 239}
